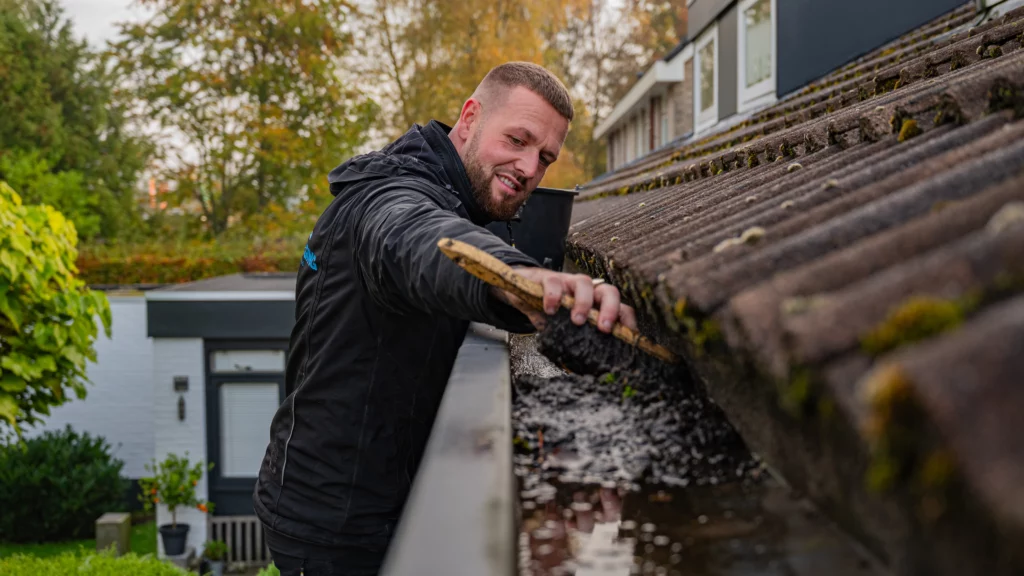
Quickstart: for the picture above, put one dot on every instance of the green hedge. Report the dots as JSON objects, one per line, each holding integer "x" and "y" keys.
{"x": 84, "y": 563}
{"x": 175, "y": 262}
{"x": 54, "y": 487}
{"x": 149, "y": 269}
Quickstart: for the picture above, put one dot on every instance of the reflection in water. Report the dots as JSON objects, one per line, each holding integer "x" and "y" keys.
{"x": 612, "y": 529}
{"x": 704, "y": 505}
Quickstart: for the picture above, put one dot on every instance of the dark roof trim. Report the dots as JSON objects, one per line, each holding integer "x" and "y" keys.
{"x": 675, "y": 51}
{"x": 220, "y": 319}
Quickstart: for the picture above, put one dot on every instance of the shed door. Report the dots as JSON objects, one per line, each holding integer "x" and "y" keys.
{"x": 245, "y": 388}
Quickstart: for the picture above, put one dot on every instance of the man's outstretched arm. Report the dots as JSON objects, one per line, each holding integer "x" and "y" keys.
{"x": 396, "y": 248}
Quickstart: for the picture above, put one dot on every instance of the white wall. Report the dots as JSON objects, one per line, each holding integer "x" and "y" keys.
{"x": 119, "y": 404}
{"x": 181, "y": 357}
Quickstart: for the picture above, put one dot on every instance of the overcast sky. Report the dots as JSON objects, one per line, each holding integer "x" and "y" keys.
{"x": 95, "y": 19}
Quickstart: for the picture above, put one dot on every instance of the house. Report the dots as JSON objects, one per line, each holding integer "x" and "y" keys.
{"x": 743, "y": 55}
{"x": 841, "y": 268}
{"x": 657, "y": 110}
{"x": 120, "y": 386}
{"x": 193, "y": 368}
{"x": 219, "y": 349}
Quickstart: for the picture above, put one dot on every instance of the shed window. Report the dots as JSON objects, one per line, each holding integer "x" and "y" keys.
{"x": 246, "y": 412}
{"x": 228, "y": 361}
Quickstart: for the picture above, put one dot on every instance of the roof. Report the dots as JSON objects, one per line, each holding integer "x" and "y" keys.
{"x": 663, "y": 72}
{"x": 844, "y": 270}
{"x": 243, "y": 286}
{"x": 676, "y": 50}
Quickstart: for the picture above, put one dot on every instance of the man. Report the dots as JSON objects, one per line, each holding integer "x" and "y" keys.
{"x": 381, "y": 313}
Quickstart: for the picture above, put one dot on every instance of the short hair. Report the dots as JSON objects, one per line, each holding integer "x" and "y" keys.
{"x": 535, "y": 78}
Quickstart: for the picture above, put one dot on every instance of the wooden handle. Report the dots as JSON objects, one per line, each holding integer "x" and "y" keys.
{"x": 501, "y": 275}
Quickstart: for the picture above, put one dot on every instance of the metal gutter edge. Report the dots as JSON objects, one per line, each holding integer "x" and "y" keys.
{"x": 460, "y": 516}
{"x": 220, "y": 296}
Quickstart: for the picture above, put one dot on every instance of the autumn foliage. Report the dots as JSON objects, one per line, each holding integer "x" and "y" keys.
{"x": 150, "y": 268}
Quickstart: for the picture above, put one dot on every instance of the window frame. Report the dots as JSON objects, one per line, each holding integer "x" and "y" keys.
{"x": 704, "y": 120}
{"x": 764, "y": 92}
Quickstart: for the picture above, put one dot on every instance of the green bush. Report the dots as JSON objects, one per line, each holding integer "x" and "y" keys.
{"x": 54, "y": 487}
{"x": 48, "y": 317}
{"x": 85, "y": 563}
{"x": 173, "y": 484}
{"x": 169, "y": 263}
{"x": 270, "y": 571}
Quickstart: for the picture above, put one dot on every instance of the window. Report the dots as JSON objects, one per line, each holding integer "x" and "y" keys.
{"x": 227, "y": 361}
{"x": 705, "y": 100}
{"x": 640, "y": 135}
{"x": 246, "y": 410}
{"x": 756, "y": 53}
{"x": 707, "y": 76}
{"x": 664, "y": 125}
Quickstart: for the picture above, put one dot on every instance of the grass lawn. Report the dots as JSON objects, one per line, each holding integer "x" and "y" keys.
{"x": 143, "y": 541}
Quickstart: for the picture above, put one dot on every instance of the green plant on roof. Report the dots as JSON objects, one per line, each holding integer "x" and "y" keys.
{"x": 917, "y": 318}
{"x": 909, "y": 130}
{"x": 628, "y": 392}
{"x": 608, "y": 378}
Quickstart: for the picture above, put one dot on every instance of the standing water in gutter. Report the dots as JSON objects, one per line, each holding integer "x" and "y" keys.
{"x": 626, "y": 467}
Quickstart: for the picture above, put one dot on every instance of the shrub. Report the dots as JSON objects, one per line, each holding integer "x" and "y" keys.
{"x": 270, "y": 571}
{"x": 215, "y": 550}
{"x": 173, "y": 484}
{"x": 170, "y": 263}
{"x": 86, "y": 563}
{"x": 54, "y": 487}
{"x": 47, "y": 315}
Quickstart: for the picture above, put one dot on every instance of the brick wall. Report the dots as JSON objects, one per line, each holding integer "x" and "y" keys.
{"x": 682, "y": 104}
{"x": 181, "y": 357}
{"x": 119, "y": 404}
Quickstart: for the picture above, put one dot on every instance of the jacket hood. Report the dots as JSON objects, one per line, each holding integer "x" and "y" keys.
{"x": 425, "y": 152}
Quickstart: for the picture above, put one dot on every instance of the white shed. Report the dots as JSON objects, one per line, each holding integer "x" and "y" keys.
{"x": 219, "y": 348}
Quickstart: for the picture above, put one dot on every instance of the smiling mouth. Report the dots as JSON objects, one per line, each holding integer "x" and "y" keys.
{"x": 510, "y": 184}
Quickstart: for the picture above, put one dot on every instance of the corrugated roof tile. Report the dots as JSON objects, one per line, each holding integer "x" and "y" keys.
{"x": 871, "y": 224}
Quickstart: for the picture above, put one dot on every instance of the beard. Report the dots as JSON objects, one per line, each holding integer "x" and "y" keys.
{"x": 480, "y": 182}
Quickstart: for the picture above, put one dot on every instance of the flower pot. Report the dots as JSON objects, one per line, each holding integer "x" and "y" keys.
{"x": 216, "y": 567}
{"x": 174, "y": 538}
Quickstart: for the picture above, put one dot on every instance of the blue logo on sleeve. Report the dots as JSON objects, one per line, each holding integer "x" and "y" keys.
{"x": 308, "y": 257}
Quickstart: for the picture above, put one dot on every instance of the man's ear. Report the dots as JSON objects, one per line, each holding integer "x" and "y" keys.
{"x": 472, "y": 112}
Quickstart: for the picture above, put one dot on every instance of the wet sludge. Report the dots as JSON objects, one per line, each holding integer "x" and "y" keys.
{"x": 635, "y": 471}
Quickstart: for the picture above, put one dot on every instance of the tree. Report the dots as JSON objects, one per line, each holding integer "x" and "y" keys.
{"x": 257, "y": 105}
{"x": 601, "y": 51}
{"x": 64, "y": 139}
{"x": 48, "y": 318}
{"x": 427, "y": 56}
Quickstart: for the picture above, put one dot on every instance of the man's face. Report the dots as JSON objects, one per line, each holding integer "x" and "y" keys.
{"x": 510, "y": 149}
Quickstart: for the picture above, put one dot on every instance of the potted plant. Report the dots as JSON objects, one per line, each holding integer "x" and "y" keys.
{"x": 214, "y": 551}
{"x": 173, "y": 484}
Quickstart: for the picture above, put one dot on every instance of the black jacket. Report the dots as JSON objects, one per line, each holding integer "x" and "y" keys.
{"x": 380, "y": 315}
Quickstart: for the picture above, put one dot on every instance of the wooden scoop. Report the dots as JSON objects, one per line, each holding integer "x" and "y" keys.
{"x": 501, "y": 275}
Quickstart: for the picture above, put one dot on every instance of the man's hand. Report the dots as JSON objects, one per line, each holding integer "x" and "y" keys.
{"x": 580, "y": 287}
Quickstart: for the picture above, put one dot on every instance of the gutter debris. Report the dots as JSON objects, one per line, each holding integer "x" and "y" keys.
{"x": 635, "y": 471}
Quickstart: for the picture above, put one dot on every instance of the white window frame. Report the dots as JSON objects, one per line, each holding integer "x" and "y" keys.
{"x": 704, "y": 120}
{"x": 764, "y": 92}
{"x": 664, "y": 121}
